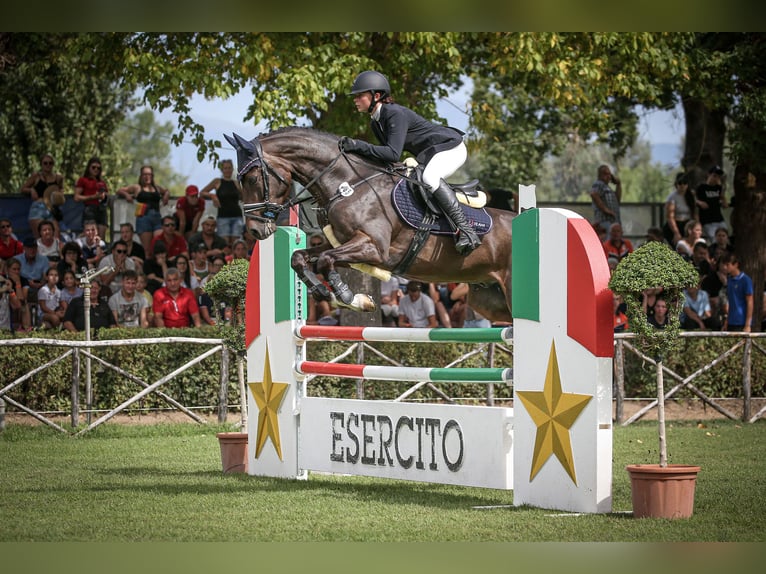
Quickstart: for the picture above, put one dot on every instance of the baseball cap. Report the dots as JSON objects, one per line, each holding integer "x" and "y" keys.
{"x": 716, "y": 169}
{"x": 192, "y": 190}
{"x": 30, "y": 242}
{"x": 200, "y": 247}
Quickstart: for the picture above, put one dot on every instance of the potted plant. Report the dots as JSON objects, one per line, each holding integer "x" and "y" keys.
{"x": 658, "y": 490}
{"x": 227, "y": 289}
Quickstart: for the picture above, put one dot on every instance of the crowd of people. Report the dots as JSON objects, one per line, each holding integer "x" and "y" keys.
{"x": 152, "y": 274}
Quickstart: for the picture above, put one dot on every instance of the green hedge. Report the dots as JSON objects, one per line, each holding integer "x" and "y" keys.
{"x": 50, "y": 389}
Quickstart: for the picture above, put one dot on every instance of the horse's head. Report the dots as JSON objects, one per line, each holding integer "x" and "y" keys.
{"x": 266, "y": 186}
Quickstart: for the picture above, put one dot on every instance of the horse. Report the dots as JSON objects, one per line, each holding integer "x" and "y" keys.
{"x": 354, "y": 197}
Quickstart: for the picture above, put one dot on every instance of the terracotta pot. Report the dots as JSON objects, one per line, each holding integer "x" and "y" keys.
{"x": 233, "y": 451}
{"x": 659, "y": 492}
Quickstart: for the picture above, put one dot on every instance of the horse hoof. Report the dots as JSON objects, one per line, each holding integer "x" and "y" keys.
{"x": 364, "y": 302}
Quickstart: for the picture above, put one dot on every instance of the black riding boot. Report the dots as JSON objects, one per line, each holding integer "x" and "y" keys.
{"x": 467, "y": 240}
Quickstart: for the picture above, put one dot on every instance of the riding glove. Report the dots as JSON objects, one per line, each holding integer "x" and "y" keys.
{"x": 349, "y": 145}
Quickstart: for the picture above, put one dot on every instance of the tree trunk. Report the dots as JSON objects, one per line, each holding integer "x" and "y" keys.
{"x": 705, "y": 132}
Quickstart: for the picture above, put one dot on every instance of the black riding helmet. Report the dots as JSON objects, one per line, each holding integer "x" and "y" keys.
{"x": 371, "y": 81}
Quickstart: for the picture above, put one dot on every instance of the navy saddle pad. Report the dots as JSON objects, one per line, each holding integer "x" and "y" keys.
{"x": 411, "y": 211}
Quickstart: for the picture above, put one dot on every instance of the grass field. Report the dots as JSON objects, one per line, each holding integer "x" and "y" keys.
{"x": 164, "y": 483}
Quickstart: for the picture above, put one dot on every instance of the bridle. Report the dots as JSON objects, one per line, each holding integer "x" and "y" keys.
{"x": 269, "y": 210}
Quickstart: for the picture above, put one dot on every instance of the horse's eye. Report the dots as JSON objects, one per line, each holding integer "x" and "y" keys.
{"x": 251, "y": 180}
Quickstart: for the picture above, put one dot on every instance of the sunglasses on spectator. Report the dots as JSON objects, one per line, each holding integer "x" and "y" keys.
{"x": 96, "y": 167}
{"x": 47, "y": 163}
{"x": 120, "y": 251}
{"x": 168, "y": 224}
{"x": 4, "y": 226}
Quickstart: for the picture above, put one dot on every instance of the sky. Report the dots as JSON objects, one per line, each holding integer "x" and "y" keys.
{"x": 226, "y": 116}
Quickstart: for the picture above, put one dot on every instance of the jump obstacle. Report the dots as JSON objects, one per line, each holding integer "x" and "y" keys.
{"x": 554, "y": 449}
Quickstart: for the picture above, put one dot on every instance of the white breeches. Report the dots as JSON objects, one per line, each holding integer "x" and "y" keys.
{"x": 443, "y": 165}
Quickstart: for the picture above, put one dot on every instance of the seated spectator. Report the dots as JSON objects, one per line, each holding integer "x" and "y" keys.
{"x": 9, "y": 245}
{"x": 721, "y": 244}
{"x": 600, "y": 231}
{"x": 389, "y": 301}
{"x": 701, "y": 260}
{"x": 473, "y": 319}
{"x": 142, "y": 290}
{"x": 69, "y": 287}
{"x": 33, "y": 267}
{"x": 649, "y": 298}
{"x": 50, "y": 309}
{"x": 9, "y": 300}
{"x": 620, "y": 318}
{"x": 174, "y": 242}
{"x": 654, "y": 234}
{"x": 128, "y": 306}
{"x": 216, "y": 245}
{"x": 93, "y": 247}
{"x": 616, "y": 245}
{"x": 692, "y": 235}
{"x": 206, "y": 308}
{"x": 119, "y": 262}
{"x": 181, "y": 262}
{"x": 100, "y": 315}
{"x": 714, "y": 284}
{"x": 416, "y": 309}
{"x": 697, "y": 313}
{"x": 135, "y": 249}
{"x": 71, "y": 259}
{"x": 20, "y": 314}
{"x": 200, "y": 266}
{"x": 47, "y": 244}
{"x": 175, "y": 306}
{"x": 659, "y": 318}
{"x": 239, "y": 250}
{"x": 155, "y": 268}
{"x": 189, "y": 210}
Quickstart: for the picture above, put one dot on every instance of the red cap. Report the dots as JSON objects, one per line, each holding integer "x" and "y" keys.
{"x": 192, "y": 190}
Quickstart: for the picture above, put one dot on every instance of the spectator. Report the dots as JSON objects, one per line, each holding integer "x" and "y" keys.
{"x": 692, "y": 234}
{"x": 701, "y": 260}
{"x": 181, "y": 262}
{"x": 46, "y": 189}
{"x": 205, "y": 302}
{"x": 721, "y": 244}
{"x": 473, "y": 319}
{"x": 739, "y": 294}
{"x": 135, "y": 248}
{"x": 47, "y": 244}
{"x": 156, "y": 267}
{"x": 710, "y": 200}
{"x": 416, "y": 309}
{"x": 659, "y": 318}
{"x": 9, "y": 245}
{"x": 200, "y": 266}
{"x": 697, "y": 313}
{"x": 226, "y": 194}
{"x": 100, "y": 315}
{"x": 239, "y": 251}
{"x": 69, "y": 287}
{"x": 616, "y": 245}
{"x": 216, "y": 244}
{"x": 129, "y": 307}
{"x": 600, "y": 231}
{"x": 649, "y": 298}
{"x": 175, "y": 306}
{"x": 33, "y": 267}
{"x": 9, "y": 300}
{"x": 92, "y": 191}
{"x": 680, "y": 208}
{"x": 20, "y": 313}
{"x": 654, "y": 234}
{"x": 147, "y": 196}
{"x": 71, "y": 259}
{"x": 620, "y": 318}
{"x": 120, "y": 263}
{"x": 189, "y": 210}
{"x": 390, "y": 294}
{"x": 142, "y": 290}
{"x": 50, "y": 309}
{"x": 606, "y": 202}
{"x": 174, "y": 241}
{"x": 450, "y": 311}
{"x": 93, "y": 247}
{"x": 714, "y": 284}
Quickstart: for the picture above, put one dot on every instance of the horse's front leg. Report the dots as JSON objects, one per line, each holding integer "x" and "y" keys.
{"x": 359, "y": 249}
{"x": 301, "y": 264}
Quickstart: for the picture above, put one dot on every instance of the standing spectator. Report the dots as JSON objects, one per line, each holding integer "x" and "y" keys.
{"x": 69, "y": 287}
{"x": 47, "y": 244}
{"x": 216, "y": 245}
{"x": 710, "y": 200}
{"x": 20, "y": 313}
{"x": 129, "y": 307}
{"x": 697, "y": 313}
{"x": 33, "y": 267}
{"x": 120, "y": 263}
{"x": 226, "y": 194}
{"x": 46, "y": 189}
{"x": 100, "y": 315}
{"x": 680, "y": 207}
{"x": 738, "y": 315}
{"x": 71, "y": 259}
{"x": 721, "y": 244}
{"x": 659, "y": 318}
{"x": 389, "y": 300}
{"x": 174, "y": 242}
{"x": 189, "y": 210}
{"x": 92, "y": 191}
{"x": 616, "y": 245}
{"x": 174, "y": 305}
{"x": 606, "y": 202}
{"x": 416, "y": 309}
{"x": 156, "y": 267}
{"x": 50, "y": 309}
{"x": 9, "y": 245}
{"x": 135, "y": 248}
{"x": 147, "y": 196}
{"x": 692, "y": 235}
{"x": 93, "y": 247}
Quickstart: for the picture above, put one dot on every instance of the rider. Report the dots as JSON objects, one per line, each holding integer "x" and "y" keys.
{"x": 398, "y": 128}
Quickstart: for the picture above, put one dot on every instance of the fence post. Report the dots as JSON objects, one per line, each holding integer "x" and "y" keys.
{"x": 491, "y": 386}
{"x": 223, "y": 395}
{"x": 746, "y": 386}
{"x": 75, "y": 386}
{"x": 360, "y": 361}
{"x": 619, "y": 366}
{"x": 2, "y": 415}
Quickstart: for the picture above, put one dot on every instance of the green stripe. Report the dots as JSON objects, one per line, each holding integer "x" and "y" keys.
{"x": 468, "y": 335}
{"x": 478, "y": 375}
{"x": 286, "y": 240}
{"x": 525, "y": 266}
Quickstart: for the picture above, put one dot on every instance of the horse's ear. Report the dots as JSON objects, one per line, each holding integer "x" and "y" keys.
{"x": 242, "y": 143}
{"x": 231, "y": 141}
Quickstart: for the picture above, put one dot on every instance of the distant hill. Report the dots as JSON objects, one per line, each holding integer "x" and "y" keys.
{"x": 667, "y": 154}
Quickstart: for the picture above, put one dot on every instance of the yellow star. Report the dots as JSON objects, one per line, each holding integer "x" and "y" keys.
{"x": 554, "y": 412}
{"x": 268, "y": 396}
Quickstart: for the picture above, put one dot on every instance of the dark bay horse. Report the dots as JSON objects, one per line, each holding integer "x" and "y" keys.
{"x": 353, "y": 195}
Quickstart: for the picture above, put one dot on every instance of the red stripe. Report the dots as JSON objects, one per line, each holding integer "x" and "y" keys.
{"x": 253, "y": 297}
{"x": 340, "y": 369}
{"x": 589, "y": 300}
{"x": 335, "y": 333}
